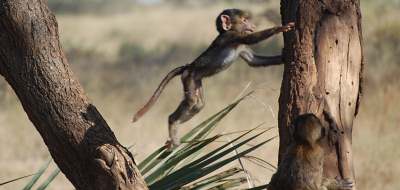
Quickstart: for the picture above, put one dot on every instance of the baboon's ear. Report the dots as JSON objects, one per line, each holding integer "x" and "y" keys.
{"x": 226, "y": 22}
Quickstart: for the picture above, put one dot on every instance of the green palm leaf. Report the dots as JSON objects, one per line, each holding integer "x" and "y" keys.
{"x": 49, "y": 179}
{"x": 36, "y": 177}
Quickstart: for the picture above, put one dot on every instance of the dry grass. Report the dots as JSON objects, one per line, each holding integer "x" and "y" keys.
{"x": 375, "y": 131}
{"x": 149, "y": 26}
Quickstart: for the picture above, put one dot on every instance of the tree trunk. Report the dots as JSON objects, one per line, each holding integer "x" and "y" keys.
{"x": 323, "y": 71}
{"x": 78, "y": 138}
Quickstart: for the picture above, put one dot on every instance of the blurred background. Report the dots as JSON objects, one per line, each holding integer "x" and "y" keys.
{"x": 120, "y": 50}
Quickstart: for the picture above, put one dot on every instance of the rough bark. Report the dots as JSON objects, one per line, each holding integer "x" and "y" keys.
{"x": 323, "y": 72}
{"x": 78, "y": 138}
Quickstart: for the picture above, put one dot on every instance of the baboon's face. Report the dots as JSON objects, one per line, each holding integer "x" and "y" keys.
{"x": 243, "y": 24}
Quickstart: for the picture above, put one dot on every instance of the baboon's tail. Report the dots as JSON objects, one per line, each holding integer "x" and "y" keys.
{"x": 157, "y": 93}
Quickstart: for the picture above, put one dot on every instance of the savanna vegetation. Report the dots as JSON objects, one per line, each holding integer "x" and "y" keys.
{"x": 121, "y": 50}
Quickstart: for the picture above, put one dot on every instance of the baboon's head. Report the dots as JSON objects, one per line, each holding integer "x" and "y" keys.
{"x": 308, "y": 129}
{"x": 235, "y": 20}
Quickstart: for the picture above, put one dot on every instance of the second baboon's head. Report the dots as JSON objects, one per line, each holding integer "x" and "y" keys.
{"x": 308, "y": 129}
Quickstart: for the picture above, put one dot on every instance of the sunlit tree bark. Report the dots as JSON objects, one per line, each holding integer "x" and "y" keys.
{"x": 323, "y": 71}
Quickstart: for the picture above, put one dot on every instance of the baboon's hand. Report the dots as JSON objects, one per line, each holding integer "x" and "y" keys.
{"x": 333, "y": 130}
{"x": 288, "y": 27}
{"x": 346, "y": 184}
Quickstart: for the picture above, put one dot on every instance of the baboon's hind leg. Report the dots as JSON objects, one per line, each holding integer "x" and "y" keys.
{"x": 191, "y": 104}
